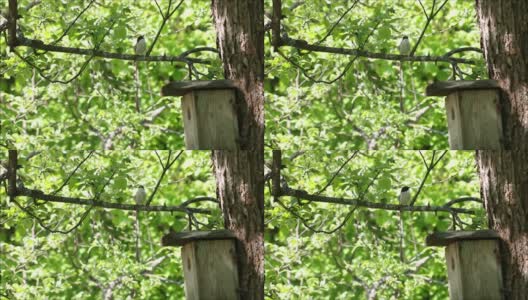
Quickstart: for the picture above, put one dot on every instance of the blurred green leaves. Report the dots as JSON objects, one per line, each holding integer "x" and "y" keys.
{"x": 363, "y": 255}
{"x": 97, "y": 109}
{"x": 37, "y": 264}
{"x": 361, "y": 110}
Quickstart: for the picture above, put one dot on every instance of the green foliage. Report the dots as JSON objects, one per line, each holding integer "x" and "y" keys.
{"x": 358, "y": 110}
{"x": 362, "y": 108}
{"x": 37, "y": 264}
{"x": 363, "y": 255}
{"x": 100, "y": 103}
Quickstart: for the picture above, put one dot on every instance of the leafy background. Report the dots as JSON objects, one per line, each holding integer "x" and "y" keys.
{"x": 37, "y": 264}
{"x": 300, "y": 114}
{"x": 303, "y": 114}
{"x": 301, "y": 264}
{"x": 101, "y": 101}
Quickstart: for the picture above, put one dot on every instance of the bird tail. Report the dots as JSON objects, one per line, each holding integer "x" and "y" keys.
{"x": 138, "y": 241}
{"x": 402, "y": 238}
{"x": 402, "y": 91}
{"x": 138, "y": 95}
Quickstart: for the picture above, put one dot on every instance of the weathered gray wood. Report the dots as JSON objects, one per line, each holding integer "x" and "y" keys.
{"x": 474, "y": 120}
{"x": 184, "y": 237}
{"x": 444, "y": 88}
{"x": 180, "y": 88}
{"x": 474, "y": 270}
{"x": 210, "y": 270}
{"x": 448, "y": 237}
{"x": 210, "y": 120}
{"x": 209, "y": 262}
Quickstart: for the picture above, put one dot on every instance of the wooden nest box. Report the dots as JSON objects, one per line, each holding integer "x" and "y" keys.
{"x": 473, "y": 113}
{"x": 209, "y": 263}
{"x": 209, "y": 113}
{"x": 473, "y": 263}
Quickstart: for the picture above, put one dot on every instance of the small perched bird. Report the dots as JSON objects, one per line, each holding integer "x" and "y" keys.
{"x": 405, "y": 49}
{"x": 141, "y": 46}
{"x": 140, "y": 195}
{"x": 405, "y": 46}
{"x": 140, "y": 49}
{"x": 405, "y": 196}
{"x": 405, "y": 199}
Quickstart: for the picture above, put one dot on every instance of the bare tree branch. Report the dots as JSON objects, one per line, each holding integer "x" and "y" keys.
{"x": 38, "y": 44}
{"x": 301, "y": 44}
{"x": 300, "y": 194}
{"x": 37, "y": 194}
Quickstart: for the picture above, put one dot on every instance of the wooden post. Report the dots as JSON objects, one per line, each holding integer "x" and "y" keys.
{"x": 473, "y": 263}
{"x": 473, "y": 113}
{"x": 209, "y": 113}
{"x": 209, "y": 263}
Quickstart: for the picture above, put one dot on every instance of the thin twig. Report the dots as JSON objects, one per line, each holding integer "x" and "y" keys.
{"x": 430, "y": 18}
{"x": 337, "y": 23}
{"x": 463, "y": 49}
{"x": 72, "y": 23}
{"x": 165, "y": 168}
{"x": 165, "y": 18}
{"x": 430, "y": 167}
{"x": 305, "y": 222}
{"x": 83, "y": 67}
{"x": 337, "y": 173}
{"x": 463, "y": 199}
{"x": 199, "y": 199}
{"x": 72, "y": 173}
{"x": 41, "y": 222}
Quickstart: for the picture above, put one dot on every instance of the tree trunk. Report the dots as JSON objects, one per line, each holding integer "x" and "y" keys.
{"x": 504, "y": 174}
{"x": 239, "y": 174}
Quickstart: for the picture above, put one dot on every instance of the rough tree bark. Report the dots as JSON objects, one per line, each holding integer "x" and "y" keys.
{"x": 239, "y": 174}
{"x": 504, "y": 174}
